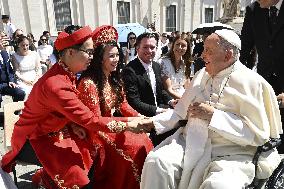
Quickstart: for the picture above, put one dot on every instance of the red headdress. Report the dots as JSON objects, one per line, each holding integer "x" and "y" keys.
{"x": 65, "y": 40}
{"x": 104, "y": 34}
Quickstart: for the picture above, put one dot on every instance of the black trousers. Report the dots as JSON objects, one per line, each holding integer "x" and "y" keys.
{"x": 277, "y": 84}
{"x": 28, "y": 155}
{"x": 16, "y": 93}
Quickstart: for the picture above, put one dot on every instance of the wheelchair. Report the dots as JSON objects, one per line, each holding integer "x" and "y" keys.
{"x": 276, "y": 180}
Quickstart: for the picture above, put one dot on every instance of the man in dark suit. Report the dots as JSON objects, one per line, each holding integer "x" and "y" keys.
{"x": 142, "y": 80}
{"x": 263, "y": 28}
{"x": 7, "y": 82}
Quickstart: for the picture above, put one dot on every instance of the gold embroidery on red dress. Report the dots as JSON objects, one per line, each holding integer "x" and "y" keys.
{"x": 87, "y": 96}
{"x": 121, "y": 153}
{"x": 90, "y": 98}
{"x": 109, "y": 96}
{"x": 60, "y": 183}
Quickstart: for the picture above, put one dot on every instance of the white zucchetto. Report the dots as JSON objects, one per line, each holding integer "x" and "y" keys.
{"x": 230, "y": 36}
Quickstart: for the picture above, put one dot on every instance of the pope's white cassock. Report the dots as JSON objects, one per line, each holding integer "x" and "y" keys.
{"x": 216, "y": 154}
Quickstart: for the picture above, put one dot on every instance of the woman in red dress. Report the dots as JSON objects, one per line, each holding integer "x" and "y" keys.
{"x": 119, "y": 157}
{"x": 51, "y": 105}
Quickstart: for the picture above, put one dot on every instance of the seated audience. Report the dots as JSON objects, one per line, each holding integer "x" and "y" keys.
{"x": 44, "y": 51}
{"x": 231, "y": 110}
{"x": 33, "y": 46}
{"x": 26, "y": 64}
{"x": 8, "y": 84}
{"x": 49, "y": 40}
{"x": 15, "y": 38}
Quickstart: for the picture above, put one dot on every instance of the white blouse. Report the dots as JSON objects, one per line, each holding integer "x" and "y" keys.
{"x": 177, "y": 78}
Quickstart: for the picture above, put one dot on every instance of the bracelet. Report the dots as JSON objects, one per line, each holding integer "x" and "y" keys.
{"x": 116, "y": 126}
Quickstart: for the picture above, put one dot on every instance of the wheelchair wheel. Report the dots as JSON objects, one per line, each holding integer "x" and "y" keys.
{"x": 276, "y": 180}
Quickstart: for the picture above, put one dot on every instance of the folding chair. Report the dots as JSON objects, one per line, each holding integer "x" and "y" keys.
{"x": 10, "y": 118}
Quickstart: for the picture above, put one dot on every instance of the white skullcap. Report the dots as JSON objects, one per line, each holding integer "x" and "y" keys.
{"x": 230, "y": 36}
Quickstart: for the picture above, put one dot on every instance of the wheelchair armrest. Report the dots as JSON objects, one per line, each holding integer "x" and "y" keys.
{"x": 272, "y": 143}
{"x": 269, "y": 145}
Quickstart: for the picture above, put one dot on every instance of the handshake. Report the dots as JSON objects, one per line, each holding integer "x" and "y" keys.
{"x": 134, "y": 124}
{"x": 139, "y": 124}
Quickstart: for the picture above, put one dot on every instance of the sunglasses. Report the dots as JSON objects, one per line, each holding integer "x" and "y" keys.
{"x": 43, "y": 39}
{"x": 130, "y": 38}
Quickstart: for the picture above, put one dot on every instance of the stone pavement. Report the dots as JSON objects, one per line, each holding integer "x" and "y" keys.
{"x": 24, "y": 172}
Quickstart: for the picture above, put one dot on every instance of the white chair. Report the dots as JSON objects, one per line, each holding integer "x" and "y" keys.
{"x": 10, "y": 118}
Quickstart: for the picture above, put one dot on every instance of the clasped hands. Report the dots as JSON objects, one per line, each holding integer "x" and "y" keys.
{"x": 201, "y": 110}
{"x": 134, "y": 124}
{"x": 196, "y": 110}
{"x": 139, "y": 124}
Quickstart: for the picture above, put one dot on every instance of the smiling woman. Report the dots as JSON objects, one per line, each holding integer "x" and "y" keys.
{"x": 101, "y": 89}
{"x": 173, "y": 67}
{"x": 26, "y": 65}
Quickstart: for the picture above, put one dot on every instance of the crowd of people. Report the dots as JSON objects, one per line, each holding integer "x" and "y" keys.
{"x": 115, "y": 111}
{"x": 27, "y": 59}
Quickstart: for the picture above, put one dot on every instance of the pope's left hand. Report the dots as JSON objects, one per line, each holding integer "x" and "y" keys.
{"x": 201, "y": 111}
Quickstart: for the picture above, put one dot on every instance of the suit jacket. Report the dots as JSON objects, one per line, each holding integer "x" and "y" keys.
{"x": 6, "y": 70}
{"x": 138, "y": 88}
{"x": 269, "y": 45}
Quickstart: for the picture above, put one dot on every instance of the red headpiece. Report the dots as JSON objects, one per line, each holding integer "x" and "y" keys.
{"x": 104, "y": 34}
{"x": 65, "y": 40}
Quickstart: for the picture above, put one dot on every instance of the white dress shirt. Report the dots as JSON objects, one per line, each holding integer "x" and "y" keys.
{"x": 278, "y": 6}
{"x": 152, "y": 77}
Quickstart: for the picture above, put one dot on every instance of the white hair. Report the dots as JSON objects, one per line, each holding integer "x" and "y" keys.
{"x": 228, "y": 46}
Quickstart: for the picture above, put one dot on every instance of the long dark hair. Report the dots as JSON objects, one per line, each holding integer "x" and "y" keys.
{"x": 128, "y": 35}
{"x": 128, "y": 44}
{"x": 187, "y": 57}
{"x": 95, "y": 72}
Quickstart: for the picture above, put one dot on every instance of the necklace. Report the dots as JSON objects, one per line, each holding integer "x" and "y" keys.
{"x": 221, "y": 91}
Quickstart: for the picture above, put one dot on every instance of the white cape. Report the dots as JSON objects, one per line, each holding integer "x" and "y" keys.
{"x": 255, "y": 110}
